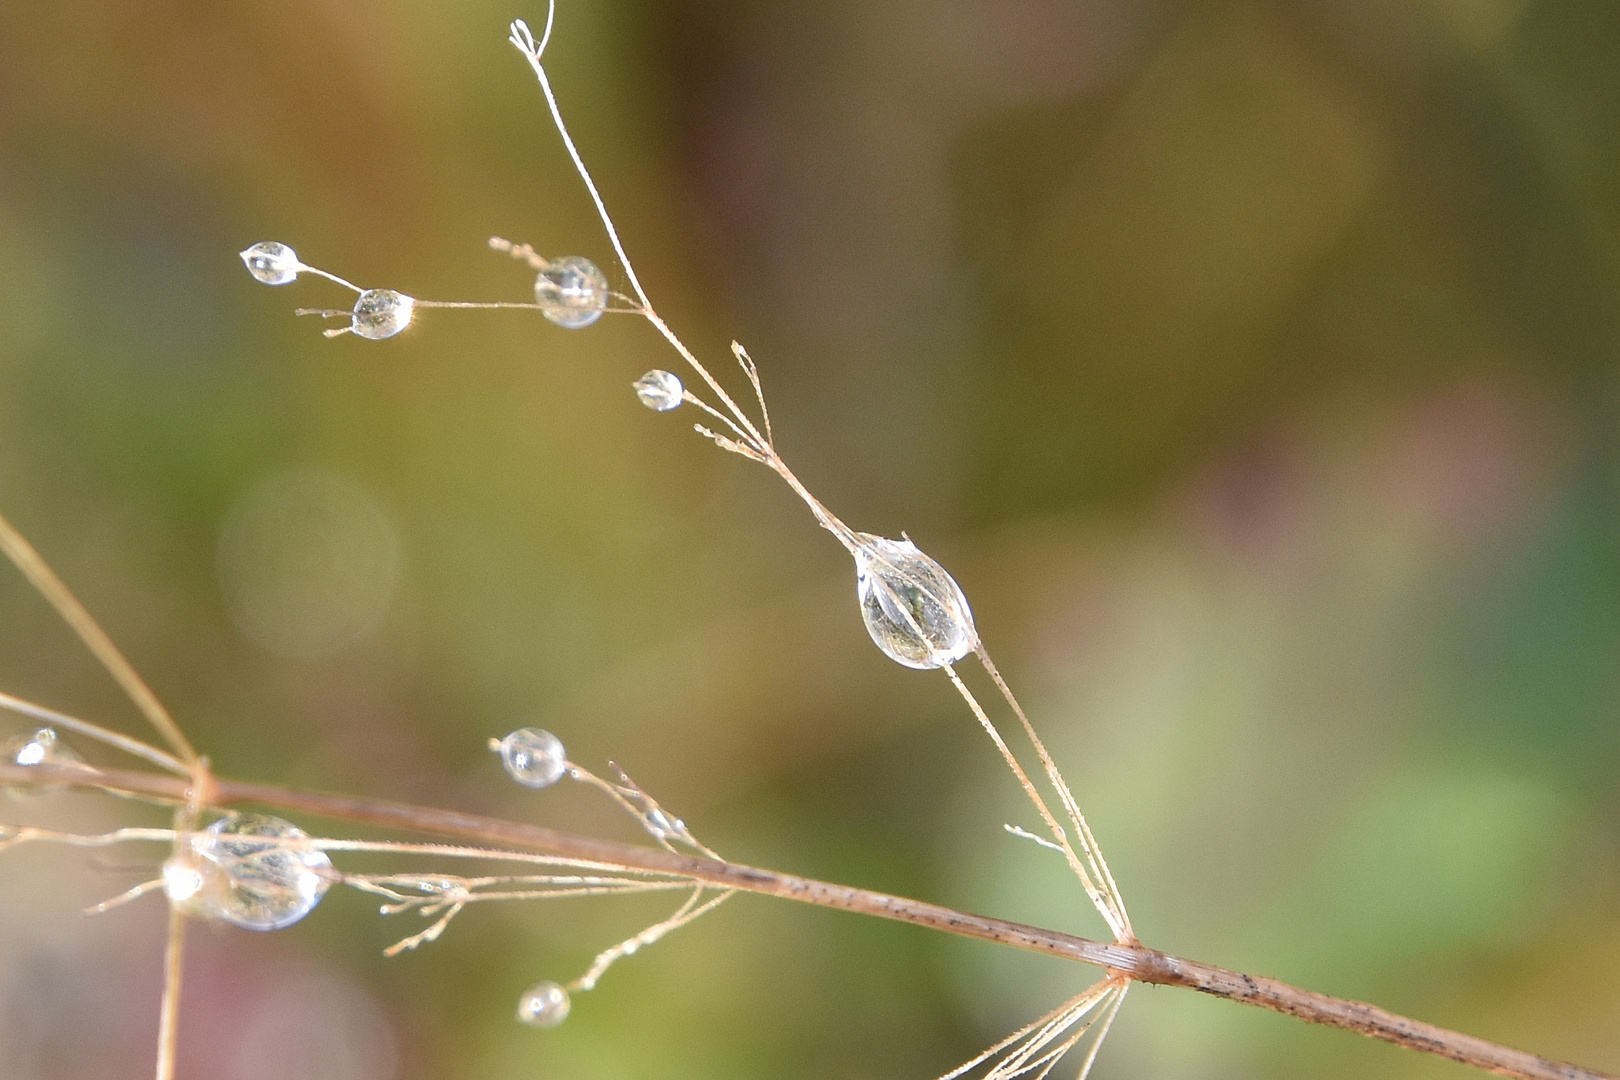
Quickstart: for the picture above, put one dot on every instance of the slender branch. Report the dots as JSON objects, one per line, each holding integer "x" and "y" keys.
{"x": 1133, "y": 961}
{"x": 16, "y": 548}
{"x": 169, "y": 1016}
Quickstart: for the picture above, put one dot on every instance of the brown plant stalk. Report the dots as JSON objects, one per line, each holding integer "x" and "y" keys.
{"x": 1132, "y": 962}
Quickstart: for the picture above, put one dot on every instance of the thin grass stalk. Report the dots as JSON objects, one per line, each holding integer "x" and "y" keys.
{"x": 1132, "y": 961}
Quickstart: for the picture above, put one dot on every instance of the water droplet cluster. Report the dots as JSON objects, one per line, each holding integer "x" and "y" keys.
{"x": 249, "y": 870}
{"x": 532, "y": 757}
{"x": 659, "y": 390}
{"x": 544, "y": 1005}
{"x": 572, "y": 292}
{"x": 915, "y": 611}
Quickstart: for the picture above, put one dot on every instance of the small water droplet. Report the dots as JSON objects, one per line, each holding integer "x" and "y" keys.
{"x": 544, "y": 1005}
{"x": 533, "y": 758}
{"x": 182, "y": 880}
{"x": 571, "y": 292}
{"x": 661, "y": 824}
{"x": 913, "y": 609}
{"x": 382, "y": 313}
{"x": 43, "y": 747}
{"x": 272, "y": 263}
{"x": 659, "y": 390}
{"x": 249, "y": 870}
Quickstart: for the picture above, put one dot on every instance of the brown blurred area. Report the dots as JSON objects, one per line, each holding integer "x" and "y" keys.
{"x": 1252, "y": 365}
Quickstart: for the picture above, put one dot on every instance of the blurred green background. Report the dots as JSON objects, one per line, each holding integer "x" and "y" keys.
{"x": 1252, "y": 365}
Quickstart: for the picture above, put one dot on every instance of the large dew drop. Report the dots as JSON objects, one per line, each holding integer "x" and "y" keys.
{"x": 381, "y": 313}
{"x": 659, "y": 390}
{"x": 532, "y": 757}
{"x": 250, "y": 870}
{"x": 272, "y": 263}
{"x": 571, "y": 292}
{"x": 913, "y": 609}
{"x": 544, "y": 1005}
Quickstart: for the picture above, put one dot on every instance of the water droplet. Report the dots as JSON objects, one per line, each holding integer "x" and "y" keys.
{"x": 913, "y": 609}
{"x": 182, "y": 880}
{"x": 533, "y": 758}
{"x": 249, "y": 870}
{"x": 659, "y": 390}
{"x": 571, "y": 292}
{"x": 381, "y": 313}
{"x": 43, "y": 747}
{"x": 544, "y": 1005}
{"x": 272, "y": 263}
{"x": 664, "y": 825}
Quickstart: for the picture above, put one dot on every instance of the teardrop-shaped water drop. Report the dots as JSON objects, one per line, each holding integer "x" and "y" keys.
{"x": 532, "y": 757}
{"x": 659, "y": 390}
{"x": 272, "y": 263}
{"x": 250, "y": 870}
{"x": 571, "y": 292}
{"x": 544, "y": 1005}
{"x": 382, "y": 313}
{"x": 913, "y": 609}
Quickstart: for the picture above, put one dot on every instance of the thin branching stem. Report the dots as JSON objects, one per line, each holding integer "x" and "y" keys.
{"x": 133, "y": 747}
{"x": 43, "y": 578}
{"x": 1131, "y": 961}
{"x": 1099, "y": 899}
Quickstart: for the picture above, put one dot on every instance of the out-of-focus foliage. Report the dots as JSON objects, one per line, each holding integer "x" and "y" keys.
{"x": 1252, "y": 366}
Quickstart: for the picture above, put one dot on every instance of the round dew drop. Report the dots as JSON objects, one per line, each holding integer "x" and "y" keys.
{"x": 272, "y": 263}
{"x": 544, "y": 1005}
{"x": 571, "y": 292}
{"x": 249, "y": 870}
{"x": 533, "y": 758}
{"x": 381, "y": 313}
{"x": 913, "y": 609}
{"x": 659, "y": 390}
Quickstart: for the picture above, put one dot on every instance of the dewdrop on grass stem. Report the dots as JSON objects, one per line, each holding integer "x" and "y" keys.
{"x": 249, "y": 870}
{"x": 659, "y": 390}
{"x": 43, "y": 747}
{"x": 544, "y": 1005}
{"x": 532, "y": 757}
{"x": 913, "y": 609}
{"x": 381, "y": 313}
{"x": 272, "y": 263}
{"x": 571, "y": 292}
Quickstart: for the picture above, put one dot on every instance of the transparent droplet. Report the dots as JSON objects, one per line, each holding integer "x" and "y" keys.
{"x": 272, "y": 263}
{"x": 544, "y": 1005}
{"x": 532, "y": 757}
{"x": 381, "y": 313}
{"x": 571, "y": 292}
{"x": 664, "y": 825}
{"x": 182, "y": 880}
{"x": 249, "y": 870}
{"x": 913, "y": 609}
{"x": 43, "y": 747}
{"x": 659, "y": 390}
